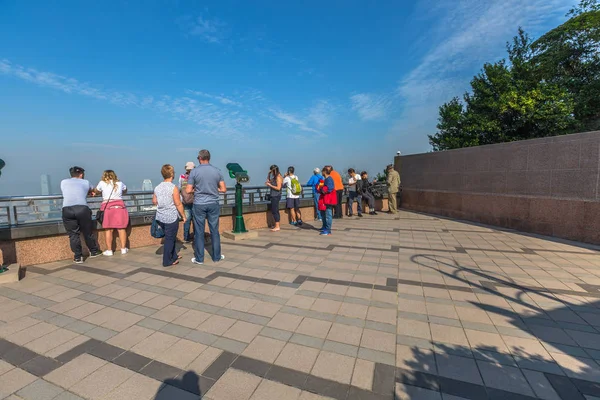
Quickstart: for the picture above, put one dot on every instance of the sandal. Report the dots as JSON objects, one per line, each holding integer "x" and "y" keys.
{"x": 275, "y": 229}
{"x": 179, "y": 257}
{"x": 175, "y": 263}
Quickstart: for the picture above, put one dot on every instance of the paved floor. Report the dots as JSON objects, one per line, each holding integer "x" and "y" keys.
{"x": 407, "y": 307}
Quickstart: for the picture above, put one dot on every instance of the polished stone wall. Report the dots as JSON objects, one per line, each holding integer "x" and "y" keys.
{"x": 548, "y": 186}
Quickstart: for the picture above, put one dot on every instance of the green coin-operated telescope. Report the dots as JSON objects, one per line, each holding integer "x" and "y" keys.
{"x": 236, "y": 172}
{"x": 241, "y": 176}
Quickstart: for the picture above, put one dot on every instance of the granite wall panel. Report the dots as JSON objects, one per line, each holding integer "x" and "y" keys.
{"x": 549, "y": 186}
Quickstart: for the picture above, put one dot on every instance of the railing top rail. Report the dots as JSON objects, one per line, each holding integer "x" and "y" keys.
{"x": 129, "y": 193}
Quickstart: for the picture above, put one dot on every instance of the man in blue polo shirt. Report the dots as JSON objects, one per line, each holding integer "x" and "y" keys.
{"x": 207, "y": 184}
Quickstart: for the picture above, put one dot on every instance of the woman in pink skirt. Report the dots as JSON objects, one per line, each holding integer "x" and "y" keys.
{"x": 115, "y": 213}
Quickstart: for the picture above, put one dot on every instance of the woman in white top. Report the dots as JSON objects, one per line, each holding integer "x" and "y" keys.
{"x": 115, "y": 213}
{"x": 169, "y": 208}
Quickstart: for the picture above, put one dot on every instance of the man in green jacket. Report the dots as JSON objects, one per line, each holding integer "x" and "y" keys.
{"x": 393, "y": 186}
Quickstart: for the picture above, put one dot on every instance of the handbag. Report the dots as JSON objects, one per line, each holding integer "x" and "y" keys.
{"x": 100, "y": 212}
{"x": 156, "y": 229}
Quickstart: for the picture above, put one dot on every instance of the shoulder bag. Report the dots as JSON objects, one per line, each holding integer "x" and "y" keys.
{"x": 100, "y": 212}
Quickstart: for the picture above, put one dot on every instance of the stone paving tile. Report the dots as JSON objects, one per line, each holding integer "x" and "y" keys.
{"x": 39, "y": 390}
{"x": 74, "y": 371}
{"x": 263, "y": 348}
{"x": 333, "y": 366}
{"x": 101, "y": 382}
{"x": 297, "y": 357}
{"x": 137, "y": 387}
{"x": 234, "y": 385}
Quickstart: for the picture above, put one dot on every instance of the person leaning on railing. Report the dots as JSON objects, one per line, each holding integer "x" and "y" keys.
{"x": 115, "y": 212}
{"x": 76, "y": 214}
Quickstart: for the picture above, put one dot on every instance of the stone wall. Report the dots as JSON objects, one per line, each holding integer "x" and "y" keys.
{"x": 548, "y": 186}
{"x": 42, "y": 243}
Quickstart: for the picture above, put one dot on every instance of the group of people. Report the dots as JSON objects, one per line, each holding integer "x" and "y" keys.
{"x": 328, "y": 191}
{"x": 195, "y": 198}
{"x": 77, "y": 216}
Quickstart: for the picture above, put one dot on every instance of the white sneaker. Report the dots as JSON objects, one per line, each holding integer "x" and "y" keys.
{"x": 196, "y": 262}
{"x": 125, "y": 250}
{"x": 107, "y": 253}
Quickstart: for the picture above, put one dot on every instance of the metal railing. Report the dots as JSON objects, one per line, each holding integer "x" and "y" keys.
{"x": 24, "y": 210}
{"x": 20, "y": 210}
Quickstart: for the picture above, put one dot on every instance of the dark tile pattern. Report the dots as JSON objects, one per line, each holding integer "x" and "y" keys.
{"x": 40, "y": 366}
{"x": 160, "y": 371}
{"x": 132, "y": 361}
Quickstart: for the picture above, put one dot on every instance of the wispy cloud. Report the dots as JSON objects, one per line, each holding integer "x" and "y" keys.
{"x": 292, "y": 120}
{"x": 210, "y": 30}
{"x": 466, "y": 34}
{"x": 221, "y": 99}
{"x": 213, "y": 119}
{"x": 321, "y": 114}
{"x": 371, "y": 106}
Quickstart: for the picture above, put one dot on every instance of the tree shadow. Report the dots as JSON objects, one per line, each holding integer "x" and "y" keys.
{"x": 184, "y": 388}
{"x": 549, "y": 342}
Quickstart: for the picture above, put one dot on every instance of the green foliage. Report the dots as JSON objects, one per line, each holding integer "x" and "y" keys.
{"x": 547, "y": 87}
{"x": 382, "y": 177}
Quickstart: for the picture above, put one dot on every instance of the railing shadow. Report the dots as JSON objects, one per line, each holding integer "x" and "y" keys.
{"x": 184, "y": 388}
{"x": 457, "y": 270}
{"x": 550, "y": 337}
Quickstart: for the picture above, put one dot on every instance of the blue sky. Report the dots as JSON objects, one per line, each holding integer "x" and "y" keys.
{"x": 132, "y": 85}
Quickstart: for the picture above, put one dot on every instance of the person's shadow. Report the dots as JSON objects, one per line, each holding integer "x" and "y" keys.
{"x": 171, "y": 389}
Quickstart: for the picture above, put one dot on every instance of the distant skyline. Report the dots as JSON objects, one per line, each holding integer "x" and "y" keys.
{"x": 133, "y": 85}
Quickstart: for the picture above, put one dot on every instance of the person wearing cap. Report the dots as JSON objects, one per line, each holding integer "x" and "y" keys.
{"x": 313, "y": 182}
{"x": 187, "y": 199}
{"x": 393, "y": 187}
{"x": 76, "y": 214}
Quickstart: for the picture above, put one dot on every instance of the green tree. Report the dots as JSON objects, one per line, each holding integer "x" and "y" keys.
{"x": 569, "y": 56}
{"x": 547, "y": 87}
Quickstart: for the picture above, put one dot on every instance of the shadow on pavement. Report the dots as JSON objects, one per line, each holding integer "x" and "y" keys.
{"x": 185, "y": 388}
{"x": 509, "y": 339}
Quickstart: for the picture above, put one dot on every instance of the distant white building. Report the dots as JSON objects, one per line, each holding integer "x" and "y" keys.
{"x": 147, "y": 186}
{"x": 45, "y": 183}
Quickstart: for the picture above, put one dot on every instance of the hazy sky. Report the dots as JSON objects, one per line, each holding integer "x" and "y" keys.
{"x": 131, "y": 85}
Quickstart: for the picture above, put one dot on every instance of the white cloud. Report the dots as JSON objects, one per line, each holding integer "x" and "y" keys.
{"x": 466, "y": 34}
{"x": 292, "y": 120}
{"x": 212, "y": 119}
{"x": 221, "y": 99}
{"x": 209, "y": 30}
{"x": 321, "y": 114}
{"x": 371, "y": 106}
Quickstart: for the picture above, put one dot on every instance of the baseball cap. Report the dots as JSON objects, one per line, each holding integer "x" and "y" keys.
{"x": 317, "y": 171}
{"x": 190, "y": 165}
